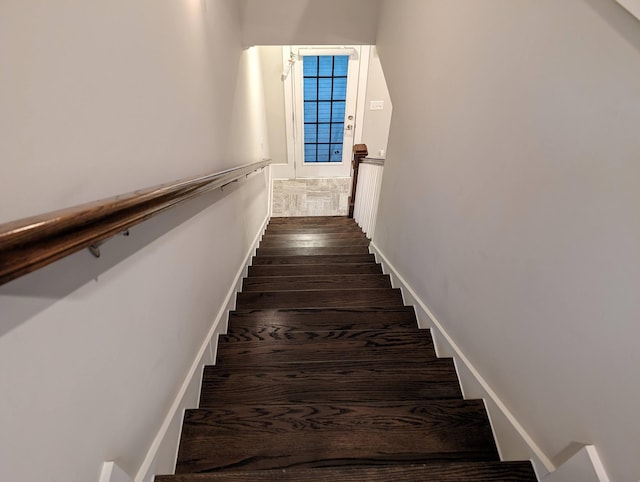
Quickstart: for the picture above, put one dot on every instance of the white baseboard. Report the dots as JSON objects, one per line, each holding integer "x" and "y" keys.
{"x": 584, "y": 465}
{"x": 164, "y": 448}
{"x": 111, "y": 472}
{"x": 514, "y": 443}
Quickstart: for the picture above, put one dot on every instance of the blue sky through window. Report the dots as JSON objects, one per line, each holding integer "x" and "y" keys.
{"x": 325, "y": 96}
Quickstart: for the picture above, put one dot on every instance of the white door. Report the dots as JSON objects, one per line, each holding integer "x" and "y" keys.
{"x": 325, "y": 87}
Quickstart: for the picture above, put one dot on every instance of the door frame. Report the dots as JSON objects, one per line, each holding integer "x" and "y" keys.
{"x": 293, "y": 114}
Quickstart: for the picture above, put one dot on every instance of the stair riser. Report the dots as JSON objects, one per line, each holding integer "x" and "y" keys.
{"x": 320, "y": 299}
{"x": 312, "y": 260}
{"x": 318, "y": 243}
{"x": 312, "y": 220}
{"x": 292, "y": 320}
{"x": 306, "y": 229}
{"x": 313, "y": 237}
{"x": 310, "y": 383}
{"x": 275, "y": 353}
{"x": 371, "y": 338}
{"x": 315, "y": 270}
{"x": 336, "y": 250}
{"x": 323, "y": 393}
{"x": 232, "y": 357}
{"x": 432, "y": 472}
{"x": 320, "y": 282}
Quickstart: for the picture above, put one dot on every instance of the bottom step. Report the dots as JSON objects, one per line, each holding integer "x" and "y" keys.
{"x": 449, "y": 472}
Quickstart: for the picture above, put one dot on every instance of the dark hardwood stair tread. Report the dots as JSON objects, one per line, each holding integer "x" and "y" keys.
{"x": 431, "y": 472}
{"x": 434, "y": 368}
{"x": 371, "y": 338}
{"x": 334, "y": 346}
{"x": 359, "y": 382}
{"x": 311, "y": 229}
{"x": 281, "y": 230}
{"x": 317, "y": 282}
{"x": 320, "y": 259}
{"x": 319, "y": 243}
{"x": 354, "y": 234}
{"x": 256, "y": 437}
{"x": 314, "y": 269}
{"x": 320, "y": 298}
{"x": 311, "y": 220}
{"x": 321, "y": 319}
{"x": 337, "y": 250}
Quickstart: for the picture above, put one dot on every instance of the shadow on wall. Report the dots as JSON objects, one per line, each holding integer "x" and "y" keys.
{"x": 619, "y": 19}
{"x": 310, "y": 11}
{"x": 29, "y": 295}
{"x": 310, "y": 22}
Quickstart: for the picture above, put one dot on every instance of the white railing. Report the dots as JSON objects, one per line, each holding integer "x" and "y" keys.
{"x": 368, "y": 195}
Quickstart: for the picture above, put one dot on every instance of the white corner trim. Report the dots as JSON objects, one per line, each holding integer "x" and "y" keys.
{"x": 633, "y": 6}
{"x": 583, "y": 465}
{"x": 598, "y": 466}
{"x": 459, "y": 354}
{"x": 290, "y": 121}
{"x": 270, "y": 192}
{"x": 363, "y": 77}
{"x": 111, "y": 472}
{"x": 148, "y": 464}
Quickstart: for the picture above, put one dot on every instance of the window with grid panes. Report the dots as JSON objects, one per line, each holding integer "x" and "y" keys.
{"x": 325, "y": 97}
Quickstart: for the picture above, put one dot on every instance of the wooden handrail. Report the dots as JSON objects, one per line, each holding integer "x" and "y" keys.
{"x": 31, "y": 243}
{"x": 359, "y": 152}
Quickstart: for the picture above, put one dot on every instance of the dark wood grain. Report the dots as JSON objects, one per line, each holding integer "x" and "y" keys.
{"x": 300, "y": 435}
{"x": 323, "y": 259}
{"x": 320, "y": 298}
{"x": 312, "y": 229}
{"x": 452, "y": 471}
{"x": 313, "y": 220}
{"x": 370, "y": 338}
{"x": 286, "y": 320}
{"x": 352, "y": 234}
{"x": 317, "y": 282}
{"x": 31, "y": 243}
{"x": 314, "y": 269}
{"x": 332, "y": 382}
{"x": 331, "y": 250}
{"x": 410, "y": 346}
{"x": 313, "y": 243}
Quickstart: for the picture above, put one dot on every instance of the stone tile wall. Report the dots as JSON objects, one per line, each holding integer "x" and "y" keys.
{"x": 311, "y": 197}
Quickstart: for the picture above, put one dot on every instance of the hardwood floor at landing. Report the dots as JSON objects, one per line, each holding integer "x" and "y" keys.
{"x": 323, "y": 375}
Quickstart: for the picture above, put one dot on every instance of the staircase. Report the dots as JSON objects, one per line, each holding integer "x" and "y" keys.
{"x": 325, "y": 376}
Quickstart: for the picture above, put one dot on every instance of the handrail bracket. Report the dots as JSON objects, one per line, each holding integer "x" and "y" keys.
{"x": 94, "y": 249}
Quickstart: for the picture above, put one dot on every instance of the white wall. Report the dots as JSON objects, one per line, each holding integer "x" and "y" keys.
{"x": 100, "y": 98}
{"x": 375, "y": 131}
{"x": 510, "y": 203}
{"x": 271, "y": 63}
{"x": 249, "y": 139}
{"x": 307, "y": 22}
